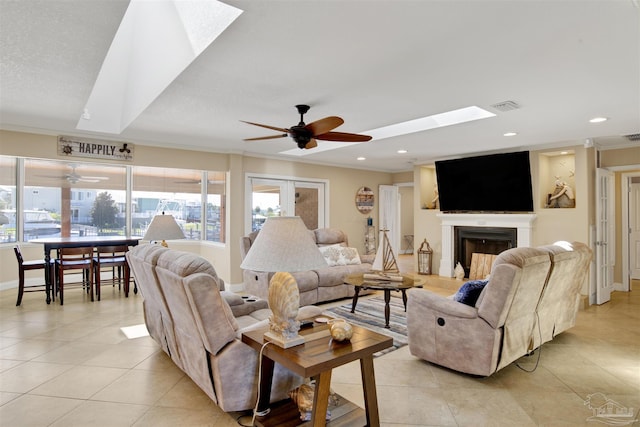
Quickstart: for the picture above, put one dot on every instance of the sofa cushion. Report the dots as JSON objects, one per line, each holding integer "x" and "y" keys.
{"x": 330, "y": 236}
{"x": 470, "y": 291}
{"x": 340, "y": 255}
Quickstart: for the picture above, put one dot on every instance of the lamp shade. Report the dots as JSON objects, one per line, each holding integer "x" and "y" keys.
{"x": 283, "y": 244}
{"x": 163, "y": 227}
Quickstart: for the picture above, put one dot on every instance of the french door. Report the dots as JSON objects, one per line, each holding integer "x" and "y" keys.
{"x": 285, "y": 197}
{"x": 605, "y": 235}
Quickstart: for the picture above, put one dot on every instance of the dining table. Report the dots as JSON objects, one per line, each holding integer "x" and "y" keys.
{"x": 56, "y": 243}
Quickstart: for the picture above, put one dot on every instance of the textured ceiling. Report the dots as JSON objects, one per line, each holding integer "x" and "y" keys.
{"x": 373, "y": 63}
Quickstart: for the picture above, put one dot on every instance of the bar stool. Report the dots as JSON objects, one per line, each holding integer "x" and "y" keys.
{"x": 74, "y": 259}
{"x": 29, "y": 265}
{"x": 114, "y": 257}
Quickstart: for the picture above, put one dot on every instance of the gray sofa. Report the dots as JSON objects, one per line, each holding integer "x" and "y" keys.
{"x": 315, "y": 286}
{"x": 532, "y": 295}
{"x": 188, "y": 313}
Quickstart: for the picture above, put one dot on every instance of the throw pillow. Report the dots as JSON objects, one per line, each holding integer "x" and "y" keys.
{"x": 340, "y": 255}
{"x": 470, "y": 291}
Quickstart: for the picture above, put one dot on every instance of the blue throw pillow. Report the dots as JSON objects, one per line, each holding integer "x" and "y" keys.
{"x": 470, "y": 291}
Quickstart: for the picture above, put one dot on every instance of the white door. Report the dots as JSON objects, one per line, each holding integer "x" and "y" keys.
{"x": 389, "y": 212}
{"x": 605, "y": 235}
{"x": 268, "y": 197}
{"x": 309, "y": 200}
{"x": 282, "y": 197}
{"x": 634, "y": 228}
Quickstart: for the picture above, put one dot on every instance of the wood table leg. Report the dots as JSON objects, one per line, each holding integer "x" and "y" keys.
{"x": 369, "y": 389}
{"x": 321, "y": 399}
{"x": 404, "y": 298}
{"x": 387, "y": 308}
{"x": 47, "y": 276}
{"x": 355, "y": 298}
{"x": 265, "y": 384}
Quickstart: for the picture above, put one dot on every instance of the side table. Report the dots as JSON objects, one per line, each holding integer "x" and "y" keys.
{"x": 316, "y": 359}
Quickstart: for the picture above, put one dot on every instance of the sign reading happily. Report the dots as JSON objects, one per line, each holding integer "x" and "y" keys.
{"x": 70, "y": 146}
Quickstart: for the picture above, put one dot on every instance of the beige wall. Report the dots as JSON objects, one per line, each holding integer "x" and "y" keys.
{"x": 343, "y": 184}
{"x": 550, "y": 225}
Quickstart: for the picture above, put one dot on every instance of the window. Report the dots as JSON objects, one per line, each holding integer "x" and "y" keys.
{"x": 69, "y": 199}
{"x": 60, "y": 189}
{"x": 8, "y": 168}
{"x": 180, "y": 193}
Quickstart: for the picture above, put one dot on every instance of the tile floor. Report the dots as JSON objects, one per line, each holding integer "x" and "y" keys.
{"x": 72, "y": 366}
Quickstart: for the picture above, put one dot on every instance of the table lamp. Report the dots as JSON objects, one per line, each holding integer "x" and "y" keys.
{"x": 284, "y": 245}
{"x": 163, "y": 227}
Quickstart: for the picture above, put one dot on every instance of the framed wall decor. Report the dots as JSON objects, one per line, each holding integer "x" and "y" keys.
{"x": 364, "y": 200}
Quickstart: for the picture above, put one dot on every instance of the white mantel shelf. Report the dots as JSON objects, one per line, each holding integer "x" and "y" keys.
{"x": 523, "y": 223}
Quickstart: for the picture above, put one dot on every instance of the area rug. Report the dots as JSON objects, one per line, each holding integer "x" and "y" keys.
{"x": 369, "y": 314}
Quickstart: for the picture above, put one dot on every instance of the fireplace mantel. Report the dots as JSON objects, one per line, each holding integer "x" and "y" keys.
{"x": 522, "y": 222}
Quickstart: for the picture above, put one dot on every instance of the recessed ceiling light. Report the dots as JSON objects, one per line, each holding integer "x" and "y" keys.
{"x": 361, "y": 158}
{"x": 511, "y": 134}
{"x": 448, "y": 118}
{"x": 564, "y": 152}
{"x": 402, "y": 151}
{"x": 598, "y": 120}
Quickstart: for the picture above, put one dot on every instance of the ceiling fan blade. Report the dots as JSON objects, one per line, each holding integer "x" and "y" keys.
{"x": 99, "y": 178}
{"x": 343, "y": 137}
{"x": 266, "y": 126}
{"x": 311, "y": 144}
{"x": 324, "y": 125}
{"x": 265, "y": 137}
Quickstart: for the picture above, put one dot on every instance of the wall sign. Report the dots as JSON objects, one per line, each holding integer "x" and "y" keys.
{"x": 69, "y": 146}
{"x": 364, "y": 200}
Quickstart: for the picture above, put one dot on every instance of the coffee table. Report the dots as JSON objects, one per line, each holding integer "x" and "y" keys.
{"x": 360, "y": 283}
{"x": 315, "y": 359}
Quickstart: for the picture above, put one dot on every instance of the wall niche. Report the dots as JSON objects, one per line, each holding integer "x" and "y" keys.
{"x": 429, "y": 188}
{"x": 557, "y": 179}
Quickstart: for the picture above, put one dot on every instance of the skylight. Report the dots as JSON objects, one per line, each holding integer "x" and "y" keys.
{"x": 156, "y": 41}
{"x": 322, "y": 146}
{"x": 448, "y": 118}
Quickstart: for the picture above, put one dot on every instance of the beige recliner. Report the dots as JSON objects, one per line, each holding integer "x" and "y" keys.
{"x": 188, "y": 314}
{"x": 531, "y": 296}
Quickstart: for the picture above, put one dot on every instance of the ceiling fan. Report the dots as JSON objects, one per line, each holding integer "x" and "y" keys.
{"x": 305, "y": 135}
{"x": 73, "y": 177}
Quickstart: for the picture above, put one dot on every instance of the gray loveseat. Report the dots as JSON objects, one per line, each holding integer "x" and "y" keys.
{"x": 187, "y": 314}
{"x": 315, "y": 286}
{"x": 532, "y": 295}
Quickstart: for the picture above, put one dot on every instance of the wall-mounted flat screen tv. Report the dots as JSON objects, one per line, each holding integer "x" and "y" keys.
{"x": 491, "y": 183}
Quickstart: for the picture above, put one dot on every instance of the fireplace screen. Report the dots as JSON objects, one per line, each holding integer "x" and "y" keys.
{"x": 482, "y": 240}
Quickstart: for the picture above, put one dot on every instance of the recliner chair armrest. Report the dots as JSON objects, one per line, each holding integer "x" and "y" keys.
{"x": 421, "y": 299}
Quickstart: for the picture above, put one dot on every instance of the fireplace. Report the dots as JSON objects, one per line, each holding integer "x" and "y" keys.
{"x": 522, "y": 223}
{"x": 484, "y": 240}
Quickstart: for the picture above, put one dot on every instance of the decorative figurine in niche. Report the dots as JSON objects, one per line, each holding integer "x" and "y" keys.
{"x": 562, "y": 196}
{"x": 435, "y": 202}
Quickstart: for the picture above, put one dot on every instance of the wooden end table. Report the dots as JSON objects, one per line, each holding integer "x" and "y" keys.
{"x": 316, "y": 359}
{"x": 359, "y": 282}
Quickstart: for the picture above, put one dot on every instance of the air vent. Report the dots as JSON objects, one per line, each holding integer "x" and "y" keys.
{"x": 506, "y": 106}
{"x": 633, "y": 137}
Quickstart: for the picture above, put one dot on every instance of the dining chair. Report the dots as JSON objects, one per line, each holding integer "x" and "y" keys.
{"x": 74, "y": 259}
{"x": 114, "y": 258}
{"x": 38, "y": 264}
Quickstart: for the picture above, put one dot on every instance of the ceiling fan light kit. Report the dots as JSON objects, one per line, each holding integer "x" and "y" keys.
{"x": 305, "y": 135}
